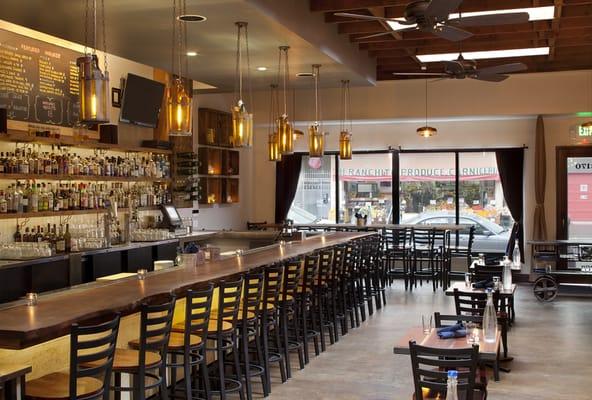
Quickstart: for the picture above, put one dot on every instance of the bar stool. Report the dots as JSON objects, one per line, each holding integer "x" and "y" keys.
{"x": 289, "y": 313}
{"x": 190, "y": 343}
{"x": 336, "y": 296}
{"x": 81, "y": 382}
{"x": 423, "y": 253}
{"x": 156, "y": 319}
{"x": 442, "y": 254}
{"x": 349, "y": 284}
{"x": 397, "y": 250}
{"x": 304, "y": 303}
{"x": 269, "y": 317}
{"x": 463, "y": 252}
{"x": 320, "y": 295}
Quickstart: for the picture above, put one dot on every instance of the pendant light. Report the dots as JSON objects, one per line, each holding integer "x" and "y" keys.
{"x": 345, "y": 135}
{"x": 273, "y": 145}
{"x": 178, "y": 100}
{"x": 284, "y": 127}
{"x": 588, "y": 124}
{"x": 316, "y": 136}
{"x": 242, "y": 120}
{"x": 426, "y": 131}
{"x": 297, "y": 132}
{"x": 93, "y": 83}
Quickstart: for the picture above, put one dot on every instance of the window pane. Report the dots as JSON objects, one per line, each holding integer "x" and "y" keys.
{"x": 314, "y": 202}
{"x": 427, "y": 193}
{"x": 481, "y": 202}
{"x": 579, "y": 185}
{"x": 366, "y": 188}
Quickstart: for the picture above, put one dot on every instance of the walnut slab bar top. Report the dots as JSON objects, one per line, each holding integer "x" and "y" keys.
{"x": 23, "y": 326}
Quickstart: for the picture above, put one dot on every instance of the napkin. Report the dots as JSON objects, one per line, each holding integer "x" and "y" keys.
{"x": 483, "y": 284}
{"x": 452, "y": 328}
{"x": 450, "y": 335}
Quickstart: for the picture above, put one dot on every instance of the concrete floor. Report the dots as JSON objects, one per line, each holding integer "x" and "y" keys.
{"x": 551, "y": 343}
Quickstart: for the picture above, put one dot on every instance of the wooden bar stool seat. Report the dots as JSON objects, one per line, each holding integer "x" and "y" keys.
{"x": 128, "y": 360}
{"x": 57, "y": 386}
{"x": 176, "y": 341}
{"x": 212, "y": 325}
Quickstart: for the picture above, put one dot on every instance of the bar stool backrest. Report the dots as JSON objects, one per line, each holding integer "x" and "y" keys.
{"x": 473, "y": 303}
{"x": 156, "y": 321}
{"x": 482, "y": 272}
{"x": 292, "y": 274}
{"x": 423, "y": 239}
{"x": 325, "y": 267}
{"x": 442, "y": 239}
{"x": 92, "y": 349}
{"x": 252, "y": 293}
{"x": 198, "y": 308}
{"x": 229, "y": 296}
{"x": 338, "y": 268}
{"x": 430, "y": 369}
{"x": 272, "y": 286}
{"x": 397, "y": 238}
{"x": 309, "y": 272}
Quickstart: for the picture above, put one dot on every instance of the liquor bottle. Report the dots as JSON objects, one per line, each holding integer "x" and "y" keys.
{"x": 39, "y": 236}
{"x": 3, "y": 203}
{"x": 33, "y": 198}
{"x": 21, "y": 203}
{"x": 17, "y": 235}
{"x": 490, "y": 319}
{"x": 68, "y": 239}
{"x": 60, "y": 241}
{"x": 451, "y": 390}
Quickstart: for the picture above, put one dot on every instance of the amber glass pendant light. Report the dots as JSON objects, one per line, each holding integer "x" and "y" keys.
{"x": 93, "y": 82}
{"x": 242, "y": 120}
{"x": 178, "y": 101}
{"x": 284, "y": 127}
{"x": 426, "y": 131}
{"x": 345, "y": 134}
{"x": 316, "y": 136}
{"x": 273, "y": 144}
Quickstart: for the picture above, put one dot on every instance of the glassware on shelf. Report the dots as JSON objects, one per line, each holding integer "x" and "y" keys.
{"x": 151, "y": 235}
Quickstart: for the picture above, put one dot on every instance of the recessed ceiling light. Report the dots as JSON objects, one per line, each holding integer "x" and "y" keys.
{"x": 192, "y": 53}
{"x": 261, "y": 69}
{"x": 304, "y": 74}
{"x": 191, "y": 18}
{"x": 534, "y": 13}
{"x": 477, "y": 55}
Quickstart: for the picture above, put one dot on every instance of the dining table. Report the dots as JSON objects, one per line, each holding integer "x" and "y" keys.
{"x": 487, "y": 351}
{"x": 507, "y": 295}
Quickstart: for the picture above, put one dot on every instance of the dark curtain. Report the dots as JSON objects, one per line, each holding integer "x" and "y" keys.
{"x": 510, "y": 164}
{"x": 287, "y": 173}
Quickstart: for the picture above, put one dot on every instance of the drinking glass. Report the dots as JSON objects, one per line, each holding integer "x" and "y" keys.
{"x": 472, "y": 333}
{"x": 426, "y": 323}
{"x": 481, "y": 259}
{"x": 142, "y": 274}
{"x": 32, "y": 299}
{"x": 496, "y": 283}
{"x": 468, "y": 279}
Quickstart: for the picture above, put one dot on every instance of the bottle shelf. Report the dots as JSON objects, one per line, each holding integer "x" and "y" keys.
{"x": 45, "y": 214}
{"x": 51, "y": 177}
{"x": 24, "y": 137}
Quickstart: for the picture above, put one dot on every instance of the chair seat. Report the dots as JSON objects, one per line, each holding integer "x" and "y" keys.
{"x": 128, "y": 360}
{"x": 176, "y": 341}
{"x": 286, "y": 297}
{"x": 212, "y": 326}
{"x": 57, "y": 386}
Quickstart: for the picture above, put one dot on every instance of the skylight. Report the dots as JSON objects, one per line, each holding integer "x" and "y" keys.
{"x": 535, "y": 13}
{"x": 477, "y": 55}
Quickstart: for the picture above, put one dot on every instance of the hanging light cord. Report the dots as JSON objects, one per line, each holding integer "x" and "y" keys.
{"x": 272, "y": 110}
{"x": 104, "y": 35}
{"x": 285, "y": 80}
{"x": 179, "y": 43}
{"x": 86, "y": 27}
{"x": 239, "y": 71}
{"x": 316, "y": 73}
{"x": 426, "y": 102}
{"x": 248, "y": 64}
{"x": 174, "y": 26}
{"x": 342, "y": 121}
{"x": 348, "y": 111}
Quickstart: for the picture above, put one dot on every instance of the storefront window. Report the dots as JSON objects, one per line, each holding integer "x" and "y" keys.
{"x": 366, "y": 188}
{"x": 314, "y": 202}
{"x": 427, "y": 190}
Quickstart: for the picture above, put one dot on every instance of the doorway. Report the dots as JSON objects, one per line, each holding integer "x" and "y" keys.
{"x": 574, "y": 192}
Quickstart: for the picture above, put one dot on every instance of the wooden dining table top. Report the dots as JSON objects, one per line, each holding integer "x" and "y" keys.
{"x": 486, "y": 350}
{"x": 23, "y": 326}
{"x": 462, "y": 287}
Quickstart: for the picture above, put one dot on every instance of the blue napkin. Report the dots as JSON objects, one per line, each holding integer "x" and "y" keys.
{"x": 452, "y": 328}
{"x": 483, "y": 284}
{"x": 191, "y": 248}
{"x": 450, "y": 335}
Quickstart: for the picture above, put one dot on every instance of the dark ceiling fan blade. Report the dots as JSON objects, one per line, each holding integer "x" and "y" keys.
{"x": 372, "y": 18}
{"x": 502, "y": 69}
{"x": 375, "y": 35}
{"x": 441, "y": 8}
{"x": 492, "y": 19}
{"x": 454, "y": 67}
{"x": 420, "y": 74}
{"x": 490, "y": 78}
{"x": 451, "y": 33}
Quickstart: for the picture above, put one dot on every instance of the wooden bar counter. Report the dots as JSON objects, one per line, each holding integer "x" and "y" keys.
{"x": 22, "y": 326}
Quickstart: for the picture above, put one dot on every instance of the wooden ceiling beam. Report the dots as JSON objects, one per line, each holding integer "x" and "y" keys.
{"x": 342, "y": 5}
{"x": 555, "y": 27}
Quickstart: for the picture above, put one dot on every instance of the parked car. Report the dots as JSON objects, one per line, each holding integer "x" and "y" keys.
{"x": 489, "y": 236}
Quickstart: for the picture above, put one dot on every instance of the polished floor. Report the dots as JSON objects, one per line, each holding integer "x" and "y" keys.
{"x": 551, "y": 343}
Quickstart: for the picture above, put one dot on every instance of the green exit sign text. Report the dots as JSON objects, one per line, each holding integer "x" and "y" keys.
{"x": 584, "y": 131}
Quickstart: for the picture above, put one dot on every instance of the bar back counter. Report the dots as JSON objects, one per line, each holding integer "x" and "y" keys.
{"x": 38, "y": 335}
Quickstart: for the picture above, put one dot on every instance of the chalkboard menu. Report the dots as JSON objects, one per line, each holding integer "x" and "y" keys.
{"x": 38, "y": 81}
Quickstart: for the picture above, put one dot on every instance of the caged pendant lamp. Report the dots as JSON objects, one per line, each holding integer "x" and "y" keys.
{"x": 242, "y": 120}
{"x": 316, "y": 136}
{"x": 178, "y": 101}
{"x": 273, "y": 145}
{"x": 345, "y": 135}
{"x": 284, "y": 127}
{"x": 93, "y": 82}
{"x": 426, "y": 131}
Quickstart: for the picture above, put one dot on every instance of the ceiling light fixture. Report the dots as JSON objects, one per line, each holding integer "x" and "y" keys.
{"x": 262, "y": 69}
{"x": 345, "y": 134}
{"x": 304, "y": 74}
{"x": 92, "y": 82}
{"x": 192, "y": 53}
{"x": 316, "y": 136}
{"x": 242, "y": 120}
{"x": 191, "y": 18}
{"x": 426, "y": 131}
{"x": 534, "y": 13}
{"x": 478, "y": 55}
{"x": 179, "y": 102}
{"x": 284, "y": 127}
{"x": 273, "y": 144}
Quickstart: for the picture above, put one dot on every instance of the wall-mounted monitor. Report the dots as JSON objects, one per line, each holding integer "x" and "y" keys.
{"x": 142, "y": 101}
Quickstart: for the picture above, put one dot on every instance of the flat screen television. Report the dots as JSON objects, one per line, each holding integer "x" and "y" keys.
{"x": 142, "y": 101}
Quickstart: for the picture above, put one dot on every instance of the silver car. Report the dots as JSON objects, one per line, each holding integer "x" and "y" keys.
{"x": 489, "y": 236}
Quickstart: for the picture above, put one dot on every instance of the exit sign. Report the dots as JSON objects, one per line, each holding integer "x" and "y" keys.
{"x": 584, "y": 131}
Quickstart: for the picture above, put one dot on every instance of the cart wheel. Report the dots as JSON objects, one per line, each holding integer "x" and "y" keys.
{"x": 545, "y": 288}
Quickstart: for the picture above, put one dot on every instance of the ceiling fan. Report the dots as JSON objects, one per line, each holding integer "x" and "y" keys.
{"x": 433, "y": 16}
{"x": 461, "y": 69}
